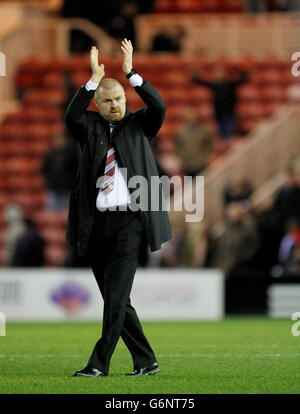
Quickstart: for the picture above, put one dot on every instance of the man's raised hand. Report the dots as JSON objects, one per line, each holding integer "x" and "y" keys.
{"x": 127, "y": 50}
{"x": 97, "y": 70}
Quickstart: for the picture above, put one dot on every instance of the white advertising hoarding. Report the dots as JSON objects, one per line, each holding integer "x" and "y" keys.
{"x": 283, "y": 300}
{"x": 71, "y": 294}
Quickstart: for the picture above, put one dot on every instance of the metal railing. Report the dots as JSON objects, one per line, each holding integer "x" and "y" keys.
{"x": 267, "y": 150}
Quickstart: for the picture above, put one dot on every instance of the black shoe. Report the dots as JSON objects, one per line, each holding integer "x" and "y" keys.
{"x": 153, "y": 369}
{"x": 89, "y": 372}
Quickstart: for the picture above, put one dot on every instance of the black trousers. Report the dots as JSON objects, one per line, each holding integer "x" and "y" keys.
{"x": 113, "y": 255}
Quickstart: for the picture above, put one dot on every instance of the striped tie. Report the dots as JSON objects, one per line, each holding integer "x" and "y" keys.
{"x": 109, "y": 172}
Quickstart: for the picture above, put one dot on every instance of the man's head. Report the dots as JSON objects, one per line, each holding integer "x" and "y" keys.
{"x": 111, "y": 99}
{"x": 220, "y": 73}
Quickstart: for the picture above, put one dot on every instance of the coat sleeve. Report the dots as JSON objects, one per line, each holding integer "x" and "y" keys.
{"x": 155, "y": 112}
{"x": 203, "y": 82}
{"x": 76, "y": 115}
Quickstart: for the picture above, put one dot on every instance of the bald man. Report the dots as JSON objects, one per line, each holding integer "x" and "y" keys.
{"x": 102, "y": 223}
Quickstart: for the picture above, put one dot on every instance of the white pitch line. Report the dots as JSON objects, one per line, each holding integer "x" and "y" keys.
{"x": 226, "y": 355}
{"x": 191, "y": 355}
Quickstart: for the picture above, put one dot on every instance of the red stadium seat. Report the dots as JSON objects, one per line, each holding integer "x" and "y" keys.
{"x": 54, "y": 236}
{"x": 52, "y": 80}
{"x": 266, "y": 76}
{"x": 80, "y": 78}
{"x": 273, "y": 94}
{"x": 248, "y": 93}
{"x": 17, "y": 117}
{"x": 12, "y": 132}
{"x": 39, "y": 132}
{"x": 23, "y": 183}
{"x": 28, "y": 201}
{"x": 175, "y": 96}
{"x": 168, "y": 130}
{"x": 47, "y": 218}
{"x": 52, "y": 97}
{"x": 176, "y": 113}
{"x": 205, "y": 112}
{"x": 165, "y": 6}
{"x": 270, "y": 108}
{"x": 212, "y": 6}
{"x": 249, "y": 111}
{"x": 232, "y": 6}
{"x": 20, "y": 166}
{"x": 77, "y": 63}
{"x": 13, "y": 148}
{"x": 41, "y": 114}
{"x": 199, "y": 94}
{"x": 55, "y": 255}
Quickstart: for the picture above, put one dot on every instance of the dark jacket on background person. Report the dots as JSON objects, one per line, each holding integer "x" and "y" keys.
{"x": 224, "y": 94}
{"x": 131, "y": 142}
{"x": 29, "y": 251}
{"x": 59, "y": 169}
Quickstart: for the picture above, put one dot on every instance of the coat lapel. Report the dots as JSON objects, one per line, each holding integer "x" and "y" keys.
{"x": 101, "y": 146}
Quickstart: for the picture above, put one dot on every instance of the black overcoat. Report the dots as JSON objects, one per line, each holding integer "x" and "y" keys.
{"x": 131, "y": 140}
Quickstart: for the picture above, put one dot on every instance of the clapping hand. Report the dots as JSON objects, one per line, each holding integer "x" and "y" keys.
{"x": 127, "y": 50}
{"x": 97, "y": 70}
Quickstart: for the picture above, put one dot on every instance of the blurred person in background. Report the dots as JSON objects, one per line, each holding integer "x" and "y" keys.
{"x": 116, "y": 19}
{"x": 225, "y": 97}
{"x": 29, "y": 251}
{"x": 59, "y": 169}
{"x": 196, "y": 244}
{"x": 146, "y": 6}
{"x": 289, "y": 250}
{"x": 23, "y": 245}
{"x": 273, "y": 221}
{"x": 16, "y": 226}
{"x": 256, "y": 5}
{"x": 271, "y": 5}
{"x": 172, "y": 251}
{"x": 79, "y": 41}
{"x": 122, "y": 24}
{"x": 238, "y": 242}
{"x": 288, "y": 5}
{"x": 239, "y": 189}
{"x": 194, "y": 144}
{"x": 167, "y": 39}
{"x": 157, "y": 152}
{"x": 286, "y": 204}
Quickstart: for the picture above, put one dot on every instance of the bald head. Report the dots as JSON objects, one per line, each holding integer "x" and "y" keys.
{"x": 108, "y": 83}
{"x": 111, "y": 100}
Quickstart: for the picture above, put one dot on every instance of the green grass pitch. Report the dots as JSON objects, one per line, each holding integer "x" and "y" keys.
{"x": 238, "y": 355}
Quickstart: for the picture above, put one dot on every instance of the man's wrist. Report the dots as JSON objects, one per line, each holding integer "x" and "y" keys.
{"x": 129, "y": 74}
{"x": 96, "y": 78}
{"x": 91, "y": 85}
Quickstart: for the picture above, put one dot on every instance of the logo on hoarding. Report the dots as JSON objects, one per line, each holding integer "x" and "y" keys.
{"x": 70, "y": 296}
